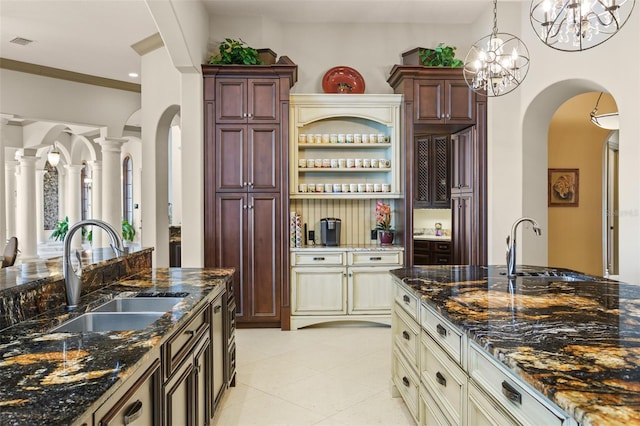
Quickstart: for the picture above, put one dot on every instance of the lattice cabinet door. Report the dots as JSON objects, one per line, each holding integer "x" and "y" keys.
{"x": 432, "y": 186}
{"x": 441, "y": 182}
{"x": 423, "y": 194}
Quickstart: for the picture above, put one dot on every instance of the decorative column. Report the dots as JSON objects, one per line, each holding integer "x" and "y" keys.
{"x": 74, "y": 206}
{"x": 41, "y": 237}
{"x": 96, "y": 199}
{"x": 10, "y": 169}
{"x": 112, "y": 181}
{"x": 26, "y": 205}
{"x": 3, "y": 198}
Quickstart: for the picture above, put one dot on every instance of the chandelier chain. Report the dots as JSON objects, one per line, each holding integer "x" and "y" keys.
{"x": 495, "y": 17}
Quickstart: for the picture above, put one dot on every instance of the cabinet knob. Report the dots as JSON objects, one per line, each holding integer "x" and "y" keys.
{"x": 375, "y": 258}
{"x": 244, "y": 184}
{"x": 406, "y": 299}
{"x": 244, "y": 206}
{"x": 406, "y": 335}
{"x": 217, "y": 309}
{"x": 318, "y": 258}
{"x": 441, "y": 330}
{"x": 440, "y": 378}
{"x": 251, "y": 207}
{"x": 405, "y": 381}
{"x": 133, "y": 412}
{"x": 251, "y": 184}
{"x": 244, "y": 114}
{"x": 250, "y": 115}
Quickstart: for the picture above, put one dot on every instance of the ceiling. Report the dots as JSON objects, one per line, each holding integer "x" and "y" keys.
{"x": 95, "y": 36}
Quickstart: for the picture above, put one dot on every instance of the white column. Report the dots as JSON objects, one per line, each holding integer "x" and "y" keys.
{"x": 41, "y": 237}
{"x": 3, "y": 197}
{"x": 96, "y": 200}
{"x": 74, "y": 206}
{"x": 26, "y": 205}
{"x": 62, "y": 191}
{"x": 10, "y": 169}
{"x": 112, "y": 181}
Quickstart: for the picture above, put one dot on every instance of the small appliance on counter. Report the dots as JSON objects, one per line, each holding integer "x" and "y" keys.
{"x": 330, "y": 231}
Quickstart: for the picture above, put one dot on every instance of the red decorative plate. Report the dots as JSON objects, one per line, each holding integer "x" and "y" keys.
{"x": 342, "y": 80}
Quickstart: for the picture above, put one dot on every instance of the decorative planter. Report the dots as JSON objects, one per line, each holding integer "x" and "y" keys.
{"x": 386, "y": 237}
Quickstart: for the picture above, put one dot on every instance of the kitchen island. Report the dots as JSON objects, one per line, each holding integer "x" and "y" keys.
{"x": 548, "y": 346}
{"x": 51, "y": 377}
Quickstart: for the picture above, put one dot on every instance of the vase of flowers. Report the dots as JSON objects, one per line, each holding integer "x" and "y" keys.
{"x": 383, "y": 223}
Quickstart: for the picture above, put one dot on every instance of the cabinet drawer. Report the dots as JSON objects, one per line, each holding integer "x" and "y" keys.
{"x": 444, "y": 333}
{"x": 430, "y": 413}
{"x": 326, "y": 258}
{"x": 180, "y": 343}
{"x": 375, "y": 258}
{"x": 407, "y": 383}
{"x": 445, "y": 379}
{"x": 407, "y": 300}
{"x": 525, "y": 405}
{"x": 441, "y": 246}
{"x": 482, "y": 410}
{"x": 406, "y": 336}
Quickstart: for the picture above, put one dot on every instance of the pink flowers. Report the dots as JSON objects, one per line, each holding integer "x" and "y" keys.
{"x": 383, "y": 216}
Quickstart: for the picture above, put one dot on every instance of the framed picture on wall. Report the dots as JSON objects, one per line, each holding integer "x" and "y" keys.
{"x": 563, "y": 187}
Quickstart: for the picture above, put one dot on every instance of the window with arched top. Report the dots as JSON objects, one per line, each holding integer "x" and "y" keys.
{"x": 85, "y": 192}
{"x": 127, "y": 189}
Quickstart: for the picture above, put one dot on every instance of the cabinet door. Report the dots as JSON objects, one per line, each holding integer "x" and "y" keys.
{"x": 462, "y": 220}
{"x": 231, "y": 100}
{"x": 264, "y": 270}
{"x": 263, "y": 158}
{"x": 231, "y": 163}
{"x": 369, "y": 290}
{"x": 463, "y": 161}
{"x": 440, "y": 180}
{"x": 231, "y": 242}
{"x": 321, "y": 290}
{"x": 263, "y": 100}
{"x": 138, "y": 406}
{"x": 460, "y": 102}
{"x": 179, "y": 396}
{"x": 202, "y": 383}
{"x": 218, "y": 350}
{"x": 423, "y": 195}
{"x": 429, "y": 101}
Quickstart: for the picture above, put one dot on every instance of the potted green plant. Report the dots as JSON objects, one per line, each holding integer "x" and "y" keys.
{"x": 128, "y": 231}
{"x": 383, "y": 223}
{"x": 233, "y": 51}
{"x": 60, "y": 230}
{"x": 441, "y": 56}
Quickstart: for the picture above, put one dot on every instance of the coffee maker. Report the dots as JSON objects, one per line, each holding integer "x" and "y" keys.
{"x": 330, "y": 231}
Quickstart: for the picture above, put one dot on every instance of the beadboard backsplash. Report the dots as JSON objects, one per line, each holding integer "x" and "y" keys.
{"x": 358, "y": 217}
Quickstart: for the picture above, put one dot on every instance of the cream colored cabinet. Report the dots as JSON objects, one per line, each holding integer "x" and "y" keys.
{"x": 341, "y": 285}
{"x": 345, "y": 146}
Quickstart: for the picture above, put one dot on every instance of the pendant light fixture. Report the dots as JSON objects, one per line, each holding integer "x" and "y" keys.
{"x": 497, "y": 63}
{"x": 53, "y": 156}
{"x": 610, "y": 121}
{"x": 575, "y": 25}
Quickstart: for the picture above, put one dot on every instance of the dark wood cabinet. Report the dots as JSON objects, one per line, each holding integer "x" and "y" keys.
{"x": 437, "y": 101}
{"x": 247, "y": 100}
{"x": 246, "y": 186}
{"x": 218, "y": 350}
{"x": 444, "y": 101}
{"x": 175, "y": 254}
{"x": 426, "y": 252}
{"x": 432, "y": 183}
{"x": 249, "y": 237}
{"x": 247, "y": 158}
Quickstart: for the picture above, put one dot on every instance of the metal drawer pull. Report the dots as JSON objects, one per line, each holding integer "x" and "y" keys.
{"x": 406, "y": 381}
{"x": 511, "y": 393}
{"x": 406, "y": 335}
{"x": 133, "y": 412}
{"x": 318, "y": 258}
{"x": 217, "y": 309}
{"x": 375, "y": 258}
{"x": 441, "y": 330}
{"x": 406, "y": 299}
{"x": 440, "y": 378}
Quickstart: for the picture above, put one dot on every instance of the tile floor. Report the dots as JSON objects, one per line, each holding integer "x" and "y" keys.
{"x": 326, "y": 376}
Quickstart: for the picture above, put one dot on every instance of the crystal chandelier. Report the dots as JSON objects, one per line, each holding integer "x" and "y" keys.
{"x": 575, "y": 25}
{"x": 497, "y": 63}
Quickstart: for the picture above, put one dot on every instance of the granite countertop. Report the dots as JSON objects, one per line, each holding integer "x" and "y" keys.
{"x": 55, "y": 378}
{"x": 349, "y": 247}
{"x": 576, "y": 342}
{"x": 427, "y": 237}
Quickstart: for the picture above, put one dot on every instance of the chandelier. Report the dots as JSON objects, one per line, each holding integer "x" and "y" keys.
{"x": 496, "y": 64}
{"x": 575, "y": 25}
{"x": 610, "y": 121}
{"x": 53, "y": 156}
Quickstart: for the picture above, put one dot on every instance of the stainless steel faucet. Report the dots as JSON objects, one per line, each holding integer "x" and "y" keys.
{"x": 511, "y": 243}
{"x": 73, "y": 279}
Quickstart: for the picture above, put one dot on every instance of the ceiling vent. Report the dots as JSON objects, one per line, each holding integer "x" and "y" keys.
{"x": 21, "y": 41}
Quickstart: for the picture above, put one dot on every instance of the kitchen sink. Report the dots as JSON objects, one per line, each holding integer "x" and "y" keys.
{"x": 139, "y": 304}
{"x": 108, "y": 321}
{"x": 554, "y": 274}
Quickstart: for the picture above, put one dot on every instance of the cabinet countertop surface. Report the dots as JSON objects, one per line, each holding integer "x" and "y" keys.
{"x": 55, "y": 378}
{"x": 348, "y": 247}
{"x": 576, "y": 340}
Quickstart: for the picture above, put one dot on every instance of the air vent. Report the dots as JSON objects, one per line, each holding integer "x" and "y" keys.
{"x": 21, "y": 41}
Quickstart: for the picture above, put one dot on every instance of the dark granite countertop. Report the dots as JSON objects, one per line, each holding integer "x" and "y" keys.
{"x": 55, "y": 378}
{"x": 576, "y": 342}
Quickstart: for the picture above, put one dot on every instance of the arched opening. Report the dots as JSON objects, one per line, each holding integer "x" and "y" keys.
{"x": 127, "y": 189}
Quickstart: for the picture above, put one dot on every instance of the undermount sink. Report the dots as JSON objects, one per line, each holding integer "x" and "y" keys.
{"x": 553, "y": 274}
{"x": 108, "y": 321}
{"x": 139, "y": 304}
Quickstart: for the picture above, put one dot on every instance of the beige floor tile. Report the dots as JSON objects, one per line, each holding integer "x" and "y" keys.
{"x": 381, "y": 409}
